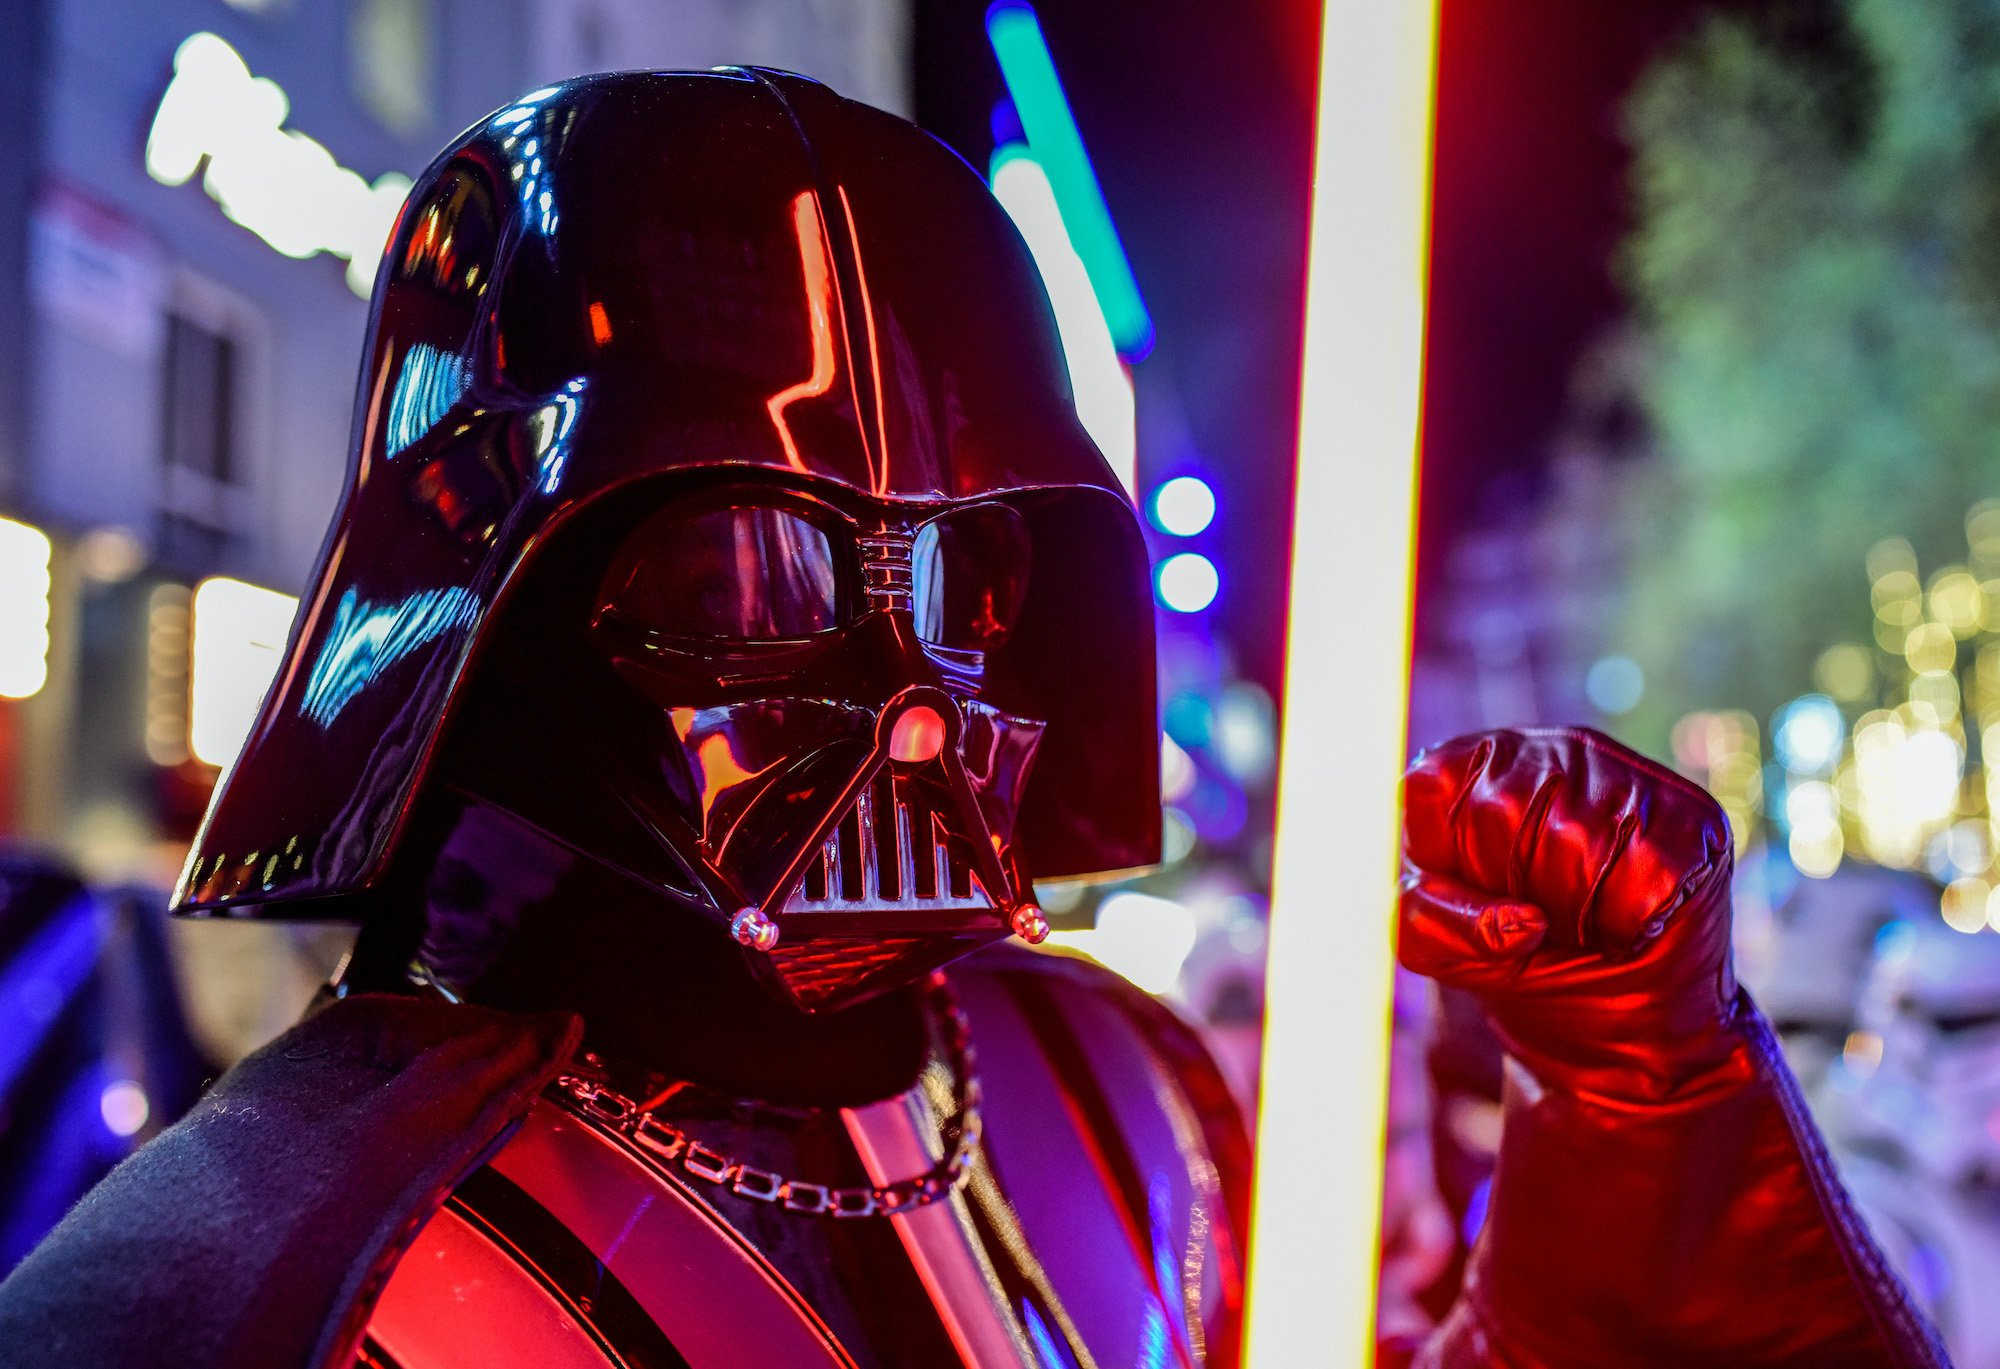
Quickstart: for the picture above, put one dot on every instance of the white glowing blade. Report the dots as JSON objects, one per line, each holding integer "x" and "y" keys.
{"x": 1103, "y": 390}
{"x": 239, "y": 636}
{"x": 1143, "y": 938}
{"x": 278, "y": 183}
{"x": 1326, "y": 1032}
{"x": 24, "y": 609}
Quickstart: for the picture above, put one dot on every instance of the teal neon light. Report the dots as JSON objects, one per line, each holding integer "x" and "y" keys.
{"x": 1030, "y": 74}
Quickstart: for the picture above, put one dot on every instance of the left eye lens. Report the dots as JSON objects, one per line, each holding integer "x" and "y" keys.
{"x": 750, "y": 573}
{"x": 969, "y": 575}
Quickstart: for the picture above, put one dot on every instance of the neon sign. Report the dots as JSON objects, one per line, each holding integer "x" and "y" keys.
{"x": 1053, "y": 138}
{"x": 1098, "y": 381}
{"x": 278, "y": 183}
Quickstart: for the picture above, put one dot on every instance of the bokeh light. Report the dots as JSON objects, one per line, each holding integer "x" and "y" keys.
{"x": 239, "y": 631}
{"x": 1246, "y": 733}
{"x": 1961, "y": 849}
{"x": 1809, "y": 734}
{"x": 1930, "y": 646}
{"x": 1964, "y": 904}
{"x": 1183, "y": 506}
{"x": 1615, "y": 685}
{"x": 1956, "y": 601}
{"x": 124, "y": 1107}
{"x": 1188, "y": 583}
{"x": 109, "y": 556}
{"x": 1862, "y": 1053}
{"x": 1143, "y": 938}
{"x": 1722, "y": 750}
{"x": 1812, "y": 815}
{"x": 1177, "y": 771}
{"x": 1846, "y": 672}
{"x": 24, "y": 609}
{"x": 167, "y": 613}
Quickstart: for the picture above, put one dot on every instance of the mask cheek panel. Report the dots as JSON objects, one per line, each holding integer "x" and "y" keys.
{"x": 765, "y": 774}
{"x": 999, "y": 751}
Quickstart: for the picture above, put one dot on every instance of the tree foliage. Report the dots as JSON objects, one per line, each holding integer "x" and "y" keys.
{"x": 1816, "y": 268}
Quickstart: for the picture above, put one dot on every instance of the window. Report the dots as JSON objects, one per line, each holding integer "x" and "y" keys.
{"x": 389, "y": 49}
{"x": 201, "y": 461}
{"x": 199, "y": 400}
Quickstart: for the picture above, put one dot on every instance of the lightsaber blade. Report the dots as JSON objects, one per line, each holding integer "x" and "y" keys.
{"x": 1314, "y": 1236}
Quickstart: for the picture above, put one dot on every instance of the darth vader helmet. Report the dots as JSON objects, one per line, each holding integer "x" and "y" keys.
{"x": 717, "y": 516}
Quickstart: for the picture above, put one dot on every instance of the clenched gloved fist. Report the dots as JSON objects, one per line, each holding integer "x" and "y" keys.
{"x": 1582, "y": 892}
{"x": 1661, "y": 1198}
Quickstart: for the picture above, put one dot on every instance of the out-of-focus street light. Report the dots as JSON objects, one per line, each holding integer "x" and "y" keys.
{"x": 1143, "y": 938}
{"x": 1183, "y": 506}
{"x": 239, "y": 633}
{"x": 24, "y": 609}
{"x": 1187, "y": 582}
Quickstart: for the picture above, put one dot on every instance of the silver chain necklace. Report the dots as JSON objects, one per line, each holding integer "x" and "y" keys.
{"x": 673, "y": 1151}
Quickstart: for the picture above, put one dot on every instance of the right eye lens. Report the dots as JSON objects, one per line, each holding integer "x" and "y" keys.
{"x": 755, "y": 574}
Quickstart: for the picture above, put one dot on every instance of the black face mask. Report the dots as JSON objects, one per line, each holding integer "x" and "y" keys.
{"x": 825, "y": 753}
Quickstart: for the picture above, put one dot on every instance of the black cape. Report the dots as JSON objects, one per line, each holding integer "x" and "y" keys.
{"x": 256, "y": 1230}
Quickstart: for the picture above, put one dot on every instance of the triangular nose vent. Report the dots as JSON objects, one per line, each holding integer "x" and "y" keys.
{"x": 890, "y": 850}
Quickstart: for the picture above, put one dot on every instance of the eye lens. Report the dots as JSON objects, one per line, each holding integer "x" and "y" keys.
{"x": 757, "y": 574}
{"x": 969, "y": 574}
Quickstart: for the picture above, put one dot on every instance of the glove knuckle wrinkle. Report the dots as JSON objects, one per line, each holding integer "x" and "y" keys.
{"x": 1615, "y": 859}
{"x": 1528, "y": 837}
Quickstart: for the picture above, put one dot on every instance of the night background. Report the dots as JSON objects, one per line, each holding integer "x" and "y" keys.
{"x": 1710, "y": 449}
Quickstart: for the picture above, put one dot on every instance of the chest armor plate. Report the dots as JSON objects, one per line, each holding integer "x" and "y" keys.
{"x": 1089, "y": 1228}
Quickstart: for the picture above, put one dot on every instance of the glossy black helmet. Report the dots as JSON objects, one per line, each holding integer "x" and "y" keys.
{"x": 716, "y": 513}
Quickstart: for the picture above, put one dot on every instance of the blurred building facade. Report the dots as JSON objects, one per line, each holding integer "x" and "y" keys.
{"x": 1515, "y": 632}
{"x": 181, "y": 385}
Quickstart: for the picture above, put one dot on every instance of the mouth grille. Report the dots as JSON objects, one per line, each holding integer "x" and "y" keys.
{"x": 891, "y": 849}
